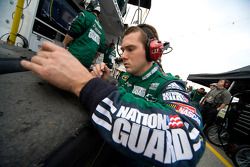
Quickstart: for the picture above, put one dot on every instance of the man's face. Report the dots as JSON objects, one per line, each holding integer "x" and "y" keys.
{"x": 221, "y": 83}
{"x": 134, "y": 55}
{"x": 201, "y": 90}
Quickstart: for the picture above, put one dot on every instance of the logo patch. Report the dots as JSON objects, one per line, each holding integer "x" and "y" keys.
{"x": 174, "y": 85}
{"x": 140, "y": 91}
{"x": 94, "y": 36}
{"x": 125, "y": 77}
{"x": 187, "y": 110}
{"x": 175, "y": 122}
{"x": 175, "y": 96}
{"x": 154, "y": 86}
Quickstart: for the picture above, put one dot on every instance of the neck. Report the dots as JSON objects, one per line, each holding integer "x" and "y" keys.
{"x": 220, "y": 87}
{"x": 144, "y": 69}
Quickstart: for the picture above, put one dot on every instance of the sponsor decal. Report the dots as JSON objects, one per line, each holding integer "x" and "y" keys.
{"x": 125, "y": 77}
{"x": 138, "y": 90}
{"x": 174, "y": 85}
{"x": 151, "y": 98}
{"x": 186, "y": 110}
{"x": 154, "y": 86}
{"x": 175, "y": 121}
{"x": 175, "y": 96}
{"x": 94, "y": 36}
{"x": 149, "y": 135}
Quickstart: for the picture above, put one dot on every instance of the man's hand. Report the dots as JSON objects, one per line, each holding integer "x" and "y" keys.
{"x": 101, "y": 70}
{"x": 59, "y": 67}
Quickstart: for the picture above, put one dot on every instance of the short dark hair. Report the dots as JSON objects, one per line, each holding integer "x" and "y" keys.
{"x": 134, "y": 29}
{"x": 147, "y": 31}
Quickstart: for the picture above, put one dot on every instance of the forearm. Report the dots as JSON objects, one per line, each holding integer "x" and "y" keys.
{"x": 67, "y": 40}
{"x": 221, "y": 107}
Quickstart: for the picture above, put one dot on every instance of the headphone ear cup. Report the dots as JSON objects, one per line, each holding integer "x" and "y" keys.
{"x": 227, "y": 84}
{"x": 155, "y": 49}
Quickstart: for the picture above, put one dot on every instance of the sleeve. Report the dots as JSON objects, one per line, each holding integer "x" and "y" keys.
{"x": 102, "y": 48}
{"x": 142, "y": 130}
{"x": 226, "y": 97}
{"x": 77, "y": 26}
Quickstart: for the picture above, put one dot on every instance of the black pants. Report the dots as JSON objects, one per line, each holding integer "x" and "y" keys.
{"x": 209, "y": 113}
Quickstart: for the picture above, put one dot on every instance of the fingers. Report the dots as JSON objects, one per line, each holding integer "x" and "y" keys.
{"x": 39, "y": 59}
{"x": 101, "y": 70}
{"x": 49, "y": 46}
{"x": 97, "y": 70}
{"x": 106, "y": 69}
{"x": 32, "y": 66}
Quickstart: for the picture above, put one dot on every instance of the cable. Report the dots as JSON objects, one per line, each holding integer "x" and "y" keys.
{"x": 168, "y": 51}
{"x": 25, "y": 41}
{"x": 117, "y": 50}
{"x": 50, "y": 9}
{"x": 28, "y": 4}
{"x": 4, "y": 35}
{"x": 21, "y": 24}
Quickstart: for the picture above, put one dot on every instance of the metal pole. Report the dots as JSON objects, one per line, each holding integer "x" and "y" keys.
{"x": 231, "y": 86}
{"x": 15, "y": 24}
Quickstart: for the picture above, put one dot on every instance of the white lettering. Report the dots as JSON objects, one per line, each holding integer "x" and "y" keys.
{"x": 170, "y": 154}
{"x": 159, "y": 145}
{"x": 131, "y": 115}
{"x": 138, "y": 90}
{"x": 152, "y": 121}
{"x": 174, "y": 96}
{"x": 123, "y": 112}
{"x": 121, "y": 131}
{"x": 94, "y": 36}
{"x": 181, "y": 144}
{"x": 156, "y": 145}
{"x": 137, "y": 141}
{"x": 162, "y": 122}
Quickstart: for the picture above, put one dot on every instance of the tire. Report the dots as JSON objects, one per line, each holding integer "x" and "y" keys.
{"x": 213, "y": 135}
{"x": 241, "y": 157}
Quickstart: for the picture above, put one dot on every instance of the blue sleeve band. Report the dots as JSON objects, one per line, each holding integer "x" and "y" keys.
{"x": 95, "y": 91}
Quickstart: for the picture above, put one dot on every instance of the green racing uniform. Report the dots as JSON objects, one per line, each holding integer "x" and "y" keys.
{"x": 147, "y": 119}
{"x": 89, "y": 37}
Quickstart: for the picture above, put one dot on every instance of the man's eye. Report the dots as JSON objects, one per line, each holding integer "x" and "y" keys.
{"x": 130, "y": 49}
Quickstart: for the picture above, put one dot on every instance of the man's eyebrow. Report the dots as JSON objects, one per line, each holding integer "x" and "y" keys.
{"x": 128, "y": 46}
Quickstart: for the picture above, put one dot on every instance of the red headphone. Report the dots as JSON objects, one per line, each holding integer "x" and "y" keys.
{"x": 227, "y": 83}
{"x": 154, "y": 47}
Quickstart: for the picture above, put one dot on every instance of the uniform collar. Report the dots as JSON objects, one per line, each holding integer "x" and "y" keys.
{"x": 153, "y": 69}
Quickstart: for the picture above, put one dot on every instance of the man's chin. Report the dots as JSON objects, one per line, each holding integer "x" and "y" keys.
{"x": 128, "y": 70}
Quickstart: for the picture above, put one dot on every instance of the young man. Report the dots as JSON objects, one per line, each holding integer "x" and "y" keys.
{"x": 86, "y": 36}
{"x": 147, "y": 119}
